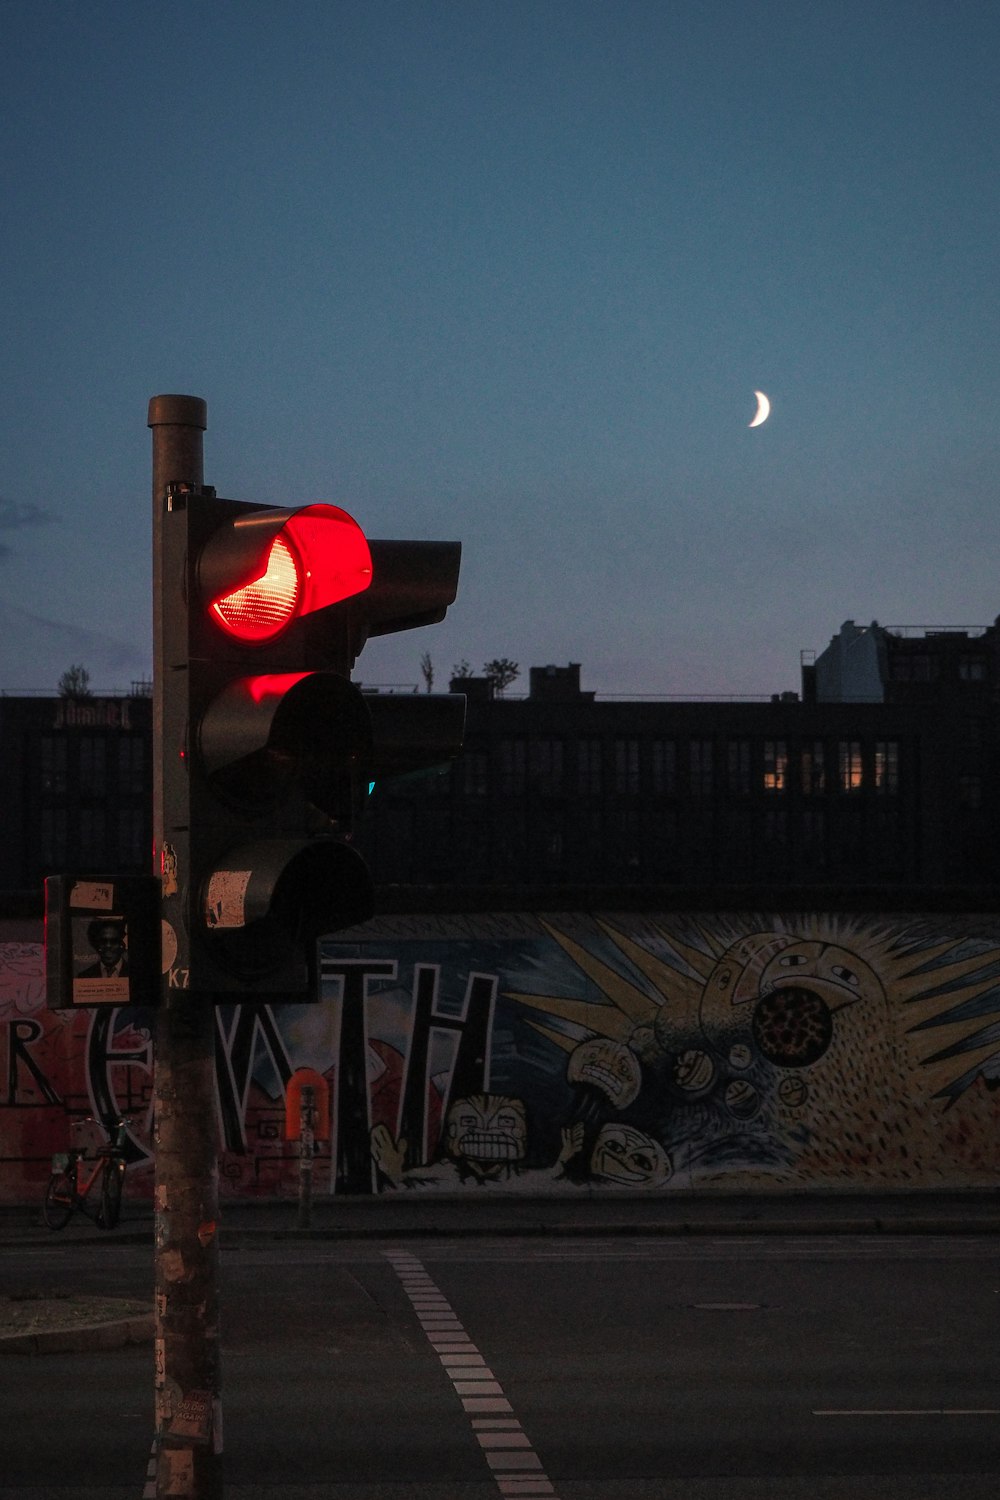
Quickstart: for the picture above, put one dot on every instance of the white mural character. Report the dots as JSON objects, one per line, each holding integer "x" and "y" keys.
{"x": 626, "y": 1157}
{"x": 486, "y": 1135}
{"x": 485, "y": 1140}
{"x": 607, "y": 1066}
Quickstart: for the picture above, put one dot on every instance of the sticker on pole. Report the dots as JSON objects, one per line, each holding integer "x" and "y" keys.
{"x": 92, "y": 894}
{"x": 225, "y": 898}
{"x": 168, "y": 946}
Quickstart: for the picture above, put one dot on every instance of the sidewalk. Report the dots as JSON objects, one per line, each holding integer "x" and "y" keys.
{"x": 408, "y": 1215}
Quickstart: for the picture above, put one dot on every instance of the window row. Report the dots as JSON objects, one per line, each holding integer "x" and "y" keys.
{"x": 93, "y": 764}
{"x": 700, "y": 768}
{"x": 732, "y": 844}
{"x": 924, "y": 666}
{"x": 95, "y": 837}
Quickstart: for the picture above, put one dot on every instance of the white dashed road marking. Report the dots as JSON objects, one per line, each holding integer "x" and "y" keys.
{"x": 907, "y": 1411}
{"x": 506, "y": 1447}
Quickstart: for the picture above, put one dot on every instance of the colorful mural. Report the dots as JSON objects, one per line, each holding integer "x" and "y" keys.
{"x": 567, "y": 1052}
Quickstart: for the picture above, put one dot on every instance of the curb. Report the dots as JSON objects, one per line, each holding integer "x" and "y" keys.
{"x": 691, "y": 1228}
{"x": 455, "y": 1216}
{"x": 84, "y": 1338}
{"x": 241, "y": 1234}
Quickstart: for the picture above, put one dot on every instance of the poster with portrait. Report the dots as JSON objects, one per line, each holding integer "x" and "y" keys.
{"x": 100, "y": 946}
{"x": 101, "y": 940}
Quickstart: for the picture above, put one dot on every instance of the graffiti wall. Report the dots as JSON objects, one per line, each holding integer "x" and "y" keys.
{"x": 566, "y": 1052}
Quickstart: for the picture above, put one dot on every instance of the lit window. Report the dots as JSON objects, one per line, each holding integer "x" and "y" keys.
{"x": 775, "y": 765}
{"x": 849, "y": 765}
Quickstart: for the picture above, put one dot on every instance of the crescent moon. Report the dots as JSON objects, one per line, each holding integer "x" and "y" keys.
{"x": 763, "y": 409}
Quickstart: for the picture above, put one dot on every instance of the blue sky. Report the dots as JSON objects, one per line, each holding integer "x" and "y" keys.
{"x": 510, "y": 273}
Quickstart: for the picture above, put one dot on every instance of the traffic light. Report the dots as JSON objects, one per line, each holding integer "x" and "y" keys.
{"x": 266, "y": 747}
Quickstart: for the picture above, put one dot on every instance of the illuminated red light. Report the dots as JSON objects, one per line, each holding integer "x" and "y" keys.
{"x": 318, "y": 558}
{"x": 264, "y": 605}
{"x": 273, "y": 685}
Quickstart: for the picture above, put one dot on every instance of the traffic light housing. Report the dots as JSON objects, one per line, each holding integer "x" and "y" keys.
{"x": 266, "y": 747}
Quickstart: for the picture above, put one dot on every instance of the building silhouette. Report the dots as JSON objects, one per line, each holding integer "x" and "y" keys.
{"x": 76, "y": 788}
{"x": 560, "y": 788}
{"x": 879, "y": 772}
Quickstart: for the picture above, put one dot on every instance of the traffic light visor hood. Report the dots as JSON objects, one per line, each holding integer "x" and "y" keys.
{"x": 265, "y": 569}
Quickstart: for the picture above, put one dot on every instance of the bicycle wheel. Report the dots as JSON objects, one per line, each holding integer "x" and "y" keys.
{"x": 58, "y": 1207}
{"x": 111, "y": 1194}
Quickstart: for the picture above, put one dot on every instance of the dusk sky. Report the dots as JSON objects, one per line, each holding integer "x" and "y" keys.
{"x": 510, "y": 271}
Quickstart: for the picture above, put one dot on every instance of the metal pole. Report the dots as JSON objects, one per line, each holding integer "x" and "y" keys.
{"x": 188, "y": 1368}
{"x": 307, "y": 1152}
{"x": 178, "y": 424}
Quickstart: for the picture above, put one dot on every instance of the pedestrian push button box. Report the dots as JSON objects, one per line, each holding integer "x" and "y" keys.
{"x": 102, "y": 941}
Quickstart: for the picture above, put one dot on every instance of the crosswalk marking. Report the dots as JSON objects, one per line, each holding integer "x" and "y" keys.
{"x": 507, "y": 1449}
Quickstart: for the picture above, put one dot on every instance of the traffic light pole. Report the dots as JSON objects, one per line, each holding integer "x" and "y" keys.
{"x": 188, "y": 1367}
{"x": 263, "y": 746}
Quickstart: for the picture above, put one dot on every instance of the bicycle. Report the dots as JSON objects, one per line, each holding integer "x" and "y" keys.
{"x": 74, "y": 1175}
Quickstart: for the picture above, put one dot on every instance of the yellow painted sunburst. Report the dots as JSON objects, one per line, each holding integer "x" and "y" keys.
{"x": 935, "y": 984}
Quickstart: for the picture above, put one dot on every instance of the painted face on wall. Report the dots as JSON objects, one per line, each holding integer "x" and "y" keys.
{"x": 839, "y": 976}
{"x": 489, "y": 1130}
{"x": 778, "y": 995}
{"x": 628, "y": 1158}
{"x": 801, "y": 990}
{"x": 729, "y": 993}
{"x": 736, "y": 978}
{"x": 694, "y": 1072}
{"x": 608, "y": 1066}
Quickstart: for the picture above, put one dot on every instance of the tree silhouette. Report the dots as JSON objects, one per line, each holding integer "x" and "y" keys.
{"x": 501, "y": 672}
{"x": 75, "y": 682}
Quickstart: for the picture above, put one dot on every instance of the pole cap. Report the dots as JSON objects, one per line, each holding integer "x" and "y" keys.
{"x": 177, "y": 411}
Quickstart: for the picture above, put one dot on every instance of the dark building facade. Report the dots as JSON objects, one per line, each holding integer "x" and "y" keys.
{"x": 880, "y": 773}
{"x": 558, "y": 788}
{"x": 76, "y": 787}
{"x": 952, "y": 676}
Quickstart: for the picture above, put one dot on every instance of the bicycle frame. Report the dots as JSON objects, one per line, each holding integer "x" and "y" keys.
{"x": 75, "y": 1160}
{"x": 74, "y": 1175}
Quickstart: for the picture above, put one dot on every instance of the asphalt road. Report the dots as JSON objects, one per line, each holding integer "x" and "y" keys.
{"x": 731, "y": 1368}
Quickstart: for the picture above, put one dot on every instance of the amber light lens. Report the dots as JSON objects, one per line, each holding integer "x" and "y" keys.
{"x": 262, "y": 607}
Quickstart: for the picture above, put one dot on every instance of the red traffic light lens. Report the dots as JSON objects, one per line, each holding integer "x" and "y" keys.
{"x": 263, "y": 606}
{"x": 277, "y": 565}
